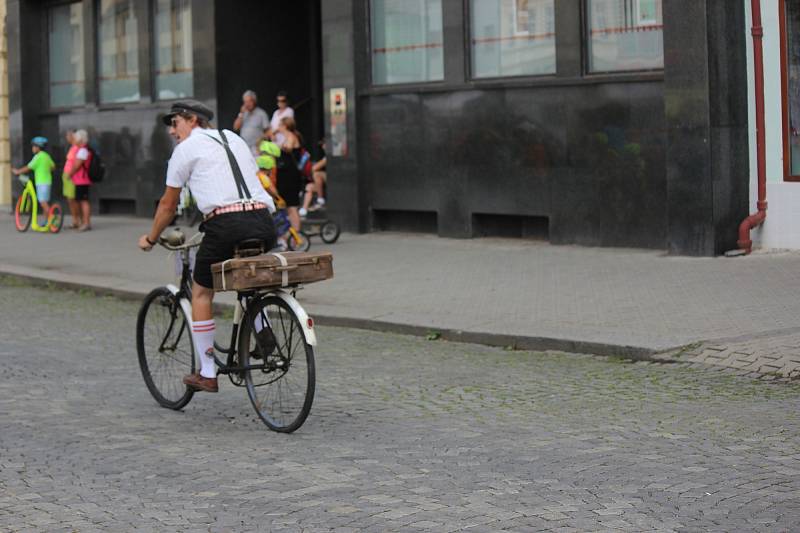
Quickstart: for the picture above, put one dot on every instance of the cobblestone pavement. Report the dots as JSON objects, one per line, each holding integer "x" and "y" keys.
{"x": 405, "y": 435}
{"x": 775, "y": 354}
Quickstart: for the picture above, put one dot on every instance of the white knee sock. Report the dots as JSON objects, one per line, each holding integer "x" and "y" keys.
{"x": 203, "y": 333}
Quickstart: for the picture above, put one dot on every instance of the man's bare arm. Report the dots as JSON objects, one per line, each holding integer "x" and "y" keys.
{"x": 164, "y": 215}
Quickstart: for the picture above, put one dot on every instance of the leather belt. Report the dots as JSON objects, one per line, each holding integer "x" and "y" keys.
{"x": 235, "y": 208}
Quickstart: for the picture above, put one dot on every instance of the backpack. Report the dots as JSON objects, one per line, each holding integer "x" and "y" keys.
{"x": 97, "y": 169}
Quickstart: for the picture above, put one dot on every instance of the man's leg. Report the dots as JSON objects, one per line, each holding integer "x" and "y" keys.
{"x": 203, "y": 328}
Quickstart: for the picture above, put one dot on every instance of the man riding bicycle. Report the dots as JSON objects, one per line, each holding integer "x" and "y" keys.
{"x": 221, "y": 173}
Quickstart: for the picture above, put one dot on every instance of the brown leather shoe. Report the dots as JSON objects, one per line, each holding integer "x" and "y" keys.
{"x": 198, "y": 382}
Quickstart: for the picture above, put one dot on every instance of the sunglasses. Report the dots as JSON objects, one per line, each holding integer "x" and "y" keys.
{"x": 281, "y": 100}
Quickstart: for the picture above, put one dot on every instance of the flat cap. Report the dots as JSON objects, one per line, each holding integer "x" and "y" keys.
{"x": 188, "y": 106}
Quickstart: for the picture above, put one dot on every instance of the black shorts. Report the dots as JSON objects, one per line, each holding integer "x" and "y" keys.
{"x": 82, "y": 192}
{"x": 224, "y": 232}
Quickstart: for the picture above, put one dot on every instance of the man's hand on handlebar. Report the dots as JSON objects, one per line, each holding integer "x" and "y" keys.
{"x": 145, "y": 243}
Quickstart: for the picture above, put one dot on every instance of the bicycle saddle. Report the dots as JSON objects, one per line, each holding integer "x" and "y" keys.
{"x": 250, "y": 247}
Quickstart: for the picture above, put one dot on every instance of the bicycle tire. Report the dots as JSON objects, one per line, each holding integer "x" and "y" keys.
{"x": 302, "y": 246}
{"x": 55, "y": 218}
{"x": 170, "y": 391}
{"x": 289, "y": 379}
{"x": 23, "y": 212}
{"x": 329, "y": 232}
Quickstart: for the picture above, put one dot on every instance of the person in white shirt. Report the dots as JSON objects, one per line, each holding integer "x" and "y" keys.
{"x": 282, "y": 112}
{"x": 234, "y": 205}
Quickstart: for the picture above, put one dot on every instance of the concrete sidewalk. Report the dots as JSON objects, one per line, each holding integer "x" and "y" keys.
{"x": 495, "y": 291}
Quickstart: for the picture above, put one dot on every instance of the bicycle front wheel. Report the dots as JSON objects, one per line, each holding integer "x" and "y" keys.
{"x": 23, "y": 213}
{"x": 281, "y": 386}
{"x": 165, "y": 348}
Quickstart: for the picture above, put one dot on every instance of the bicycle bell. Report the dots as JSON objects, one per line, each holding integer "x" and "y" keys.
{"x": 175, "y": 237}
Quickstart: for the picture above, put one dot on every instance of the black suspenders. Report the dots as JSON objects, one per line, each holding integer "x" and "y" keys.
{"x": 241, "y": 186}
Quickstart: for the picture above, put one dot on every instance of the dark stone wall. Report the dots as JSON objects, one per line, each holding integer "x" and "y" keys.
{"x": 590, "y": 158}
{"x": 705, "y": 98}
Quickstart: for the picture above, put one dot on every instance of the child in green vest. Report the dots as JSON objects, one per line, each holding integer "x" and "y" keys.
{"x": 42, "y": 166}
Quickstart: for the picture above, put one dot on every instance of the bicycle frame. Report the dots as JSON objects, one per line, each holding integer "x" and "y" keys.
{"x": 30, "y": 190}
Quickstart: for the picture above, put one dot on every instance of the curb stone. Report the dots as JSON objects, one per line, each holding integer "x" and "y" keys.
{"x": 516, "y": 342}
{"x": 702, "y": 353}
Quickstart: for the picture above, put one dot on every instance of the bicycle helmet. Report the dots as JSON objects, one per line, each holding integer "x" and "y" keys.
{"x": 39, "y": 141}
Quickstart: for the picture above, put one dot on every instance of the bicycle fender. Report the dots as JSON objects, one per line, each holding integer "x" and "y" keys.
{"x": 302, "y": 316}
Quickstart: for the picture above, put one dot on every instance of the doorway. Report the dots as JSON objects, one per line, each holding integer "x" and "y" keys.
{"x": 270, "y": 46}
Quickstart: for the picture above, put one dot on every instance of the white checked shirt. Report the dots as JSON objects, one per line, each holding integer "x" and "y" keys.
{"x": 201, "y": 163}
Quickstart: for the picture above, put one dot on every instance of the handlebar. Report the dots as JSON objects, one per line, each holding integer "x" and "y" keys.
{"x": 177, "y": 235}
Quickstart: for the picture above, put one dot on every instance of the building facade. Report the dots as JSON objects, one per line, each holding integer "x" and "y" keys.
{"x": 5, "y": 147}
{"x": 781, "y": 51}
{"x": 592, "y": 122}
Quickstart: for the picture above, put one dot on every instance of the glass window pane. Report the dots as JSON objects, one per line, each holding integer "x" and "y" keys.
{"x": 793, "y": 90}
{"x": 625, "y": 35}
{"x": 513, "y": 37}
{"x": 118, "y": 48}
{"x": 406, "y": 41}
{"x": 174, "y": 77}
{"x": 65, "y": 45}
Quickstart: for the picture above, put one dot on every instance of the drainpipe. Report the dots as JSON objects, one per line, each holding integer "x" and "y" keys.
{"x": 744, "y": 243}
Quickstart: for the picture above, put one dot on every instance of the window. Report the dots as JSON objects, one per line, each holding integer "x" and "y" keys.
{"x": 625, "y": 35}
{"x": 118, "y": 50}
{"x": 790, "y": 73}
{"x": 512, "y": 37}
{"x": 65, "y": 45}
{"x": 173, "y": 44}
{"x": 406, "y": 41}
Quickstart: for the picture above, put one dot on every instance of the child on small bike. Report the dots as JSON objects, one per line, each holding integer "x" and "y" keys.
{"x": 267, "y": 172}
{"x": 42, "y": 166}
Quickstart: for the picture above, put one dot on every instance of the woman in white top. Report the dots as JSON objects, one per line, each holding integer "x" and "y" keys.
{"x": 283, "y": 111}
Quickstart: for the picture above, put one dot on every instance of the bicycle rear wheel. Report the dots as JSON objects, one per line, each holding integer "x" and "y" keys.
{"x": 330, "y": 232}
{"x": 299, "y": 244}
{"x": 23, "y": 213}
{"x": 283, "y": 390}
{"x": 165, "y": 348}
{"x": 55, "y": 218}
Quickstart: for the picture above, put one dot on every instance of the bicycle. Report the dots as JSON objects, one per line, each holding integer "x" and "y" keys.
{"x": 271, "y": 347}
{"x": 26, "y": 212}
{"x": 297, "y": 241}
